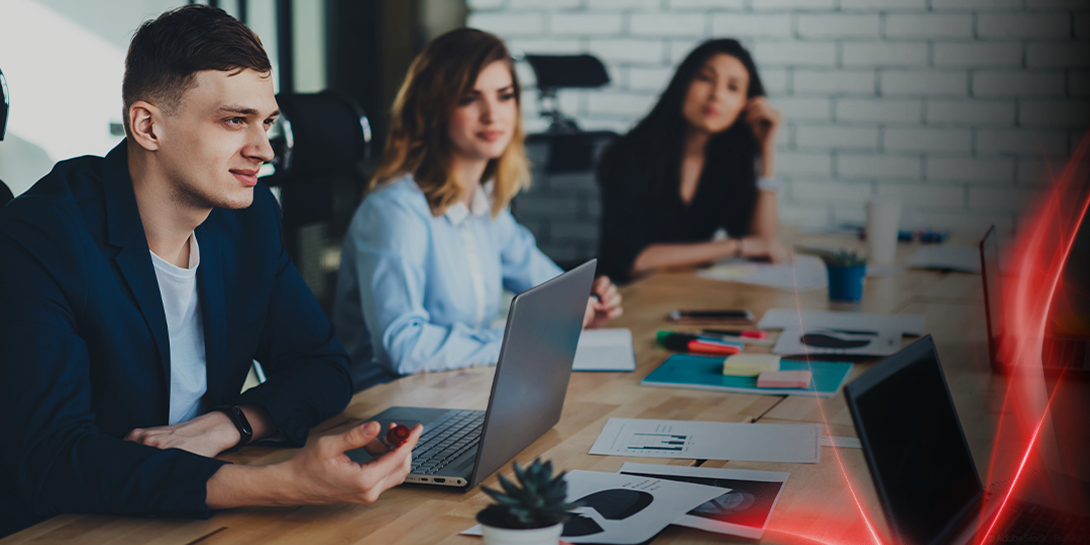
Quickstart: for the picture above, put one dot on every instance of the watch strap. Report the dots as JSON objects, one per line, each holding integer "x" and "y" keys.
{"x": 238, "y": 418}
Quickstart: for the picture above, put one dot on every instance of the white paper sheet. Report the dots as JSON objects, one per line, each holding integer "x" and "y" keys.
{"x": 840, "y": 442}
{"x": 872, "y": 342}
{"x": 625, "y": 509}
{"x": 782, "y": 318}
{"x": 806, "y": 273}
{"x": 605, "y": 350}
{"x": 790, "y": 443}
{"x": 946, "y": 256}
{"x": 747, "y": 502}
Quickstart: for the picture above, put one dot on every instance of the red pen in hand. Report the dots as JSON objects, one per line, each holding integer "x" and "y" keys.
{"x": 397, "y": 435}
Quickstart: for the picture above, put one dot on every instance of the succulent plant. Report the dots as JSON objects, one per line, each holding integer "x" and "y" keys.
{"x": 843, "y": 258}
{"x": 537, "y": 501}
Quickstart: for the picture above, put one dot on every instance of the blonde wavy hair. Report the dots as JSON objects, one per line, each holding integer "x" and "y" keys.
{"x": 418, "y": 144}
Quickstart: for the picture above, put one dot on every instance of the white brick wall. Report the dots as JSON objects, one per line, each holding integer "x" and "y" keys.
{"x": 956, "y": 107}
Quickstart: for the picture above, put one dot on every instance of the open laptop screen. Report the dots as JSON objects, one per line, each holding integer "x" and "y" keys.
{"x": 914, "y": 445}
{"x": 993, "y": 293}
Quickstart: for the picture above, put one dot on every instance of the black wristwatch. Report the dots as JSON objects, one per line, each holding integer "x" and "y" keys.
{"x": 245, "y": 432}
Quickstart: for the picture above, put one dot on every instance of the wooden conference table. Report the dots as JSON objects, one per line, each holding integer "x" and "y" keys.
{"x": 817, "y": 504}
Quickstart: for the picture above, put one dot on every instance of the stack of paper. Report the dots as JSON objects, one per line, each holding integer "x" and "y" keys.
{"x": 807, "y": 272}
{"x": 832, "y": 332}
{"x": 626, "y": 509}
{"x": 946, "y": 256}
{"x": 744, "y": 507}
{"x": 791, "y": 443}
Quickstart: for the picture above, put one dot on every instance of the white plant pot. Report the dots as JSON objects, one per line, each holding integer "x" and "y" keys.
{"x": 550, "y": 535}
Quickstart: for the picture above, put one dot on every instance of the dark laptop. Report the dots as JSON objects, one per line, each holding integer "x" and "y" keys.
{"x": 1066, "y": 354}
{"x": 459, "y": 448}
{"x": 922, "y": 468}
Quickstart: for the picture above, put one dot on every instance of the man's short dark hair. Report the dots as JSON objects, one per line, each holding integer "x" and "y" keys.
{"x": 166, "y": 53}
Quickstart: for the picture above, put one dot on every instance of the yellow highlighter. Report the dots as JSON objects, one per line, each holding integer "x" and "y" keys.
{"x": 750, "y": 365}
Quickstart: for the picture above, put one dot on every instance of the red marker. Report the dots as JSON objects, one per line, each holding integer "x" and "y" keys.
{"x": 701, "y": 347}
{"x": 397, "y": 435}
{"x": 751, "y": 334}
{"x": 692, "y": 343}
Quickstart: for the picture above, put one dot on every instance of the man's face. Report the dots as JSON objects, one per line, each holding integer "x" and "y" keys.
{"x": 213, "y": 145}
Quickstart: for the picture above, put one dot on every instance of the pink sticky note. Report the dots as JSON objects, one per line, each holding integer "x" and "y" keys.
{"x": 784, "y": 379}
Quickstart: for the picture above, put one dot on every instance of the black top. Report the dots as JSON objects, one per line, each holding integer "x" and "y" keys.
{"x": 638, "y": 212}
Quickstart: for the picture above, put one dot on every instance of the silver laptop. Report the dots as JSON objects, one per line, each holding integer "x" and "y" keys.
{"x": 460, "y": 448}
{"x": 1068, "y": 355}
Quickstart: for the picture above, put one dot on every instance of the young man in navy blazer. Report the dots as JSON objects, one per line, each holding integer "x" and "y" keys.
{"x": 135, "y": 291}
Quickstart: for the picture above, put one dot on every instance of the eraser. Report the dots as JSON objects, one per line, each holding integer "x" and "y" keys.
{"x": 750, "y": 365}
{"x": 784, "y": 379}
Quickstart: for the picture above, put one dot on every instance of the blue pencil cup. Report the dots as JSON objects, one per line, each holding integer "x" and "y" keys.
{"x": 846, "y": 283}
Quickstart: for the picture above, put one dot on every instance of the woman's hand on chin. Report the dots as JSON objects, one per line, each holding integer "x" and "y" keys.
{"x": 764, "y": 119}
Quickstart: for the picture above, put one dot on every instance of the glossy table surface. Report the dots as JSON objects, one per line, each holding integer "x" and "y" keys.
{"x": 827, "y": 502}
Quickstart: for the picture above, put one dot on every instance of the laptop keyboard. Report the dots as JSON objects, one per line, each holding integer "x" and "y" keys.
{"x": 1060, "y": 352}
{"x": 1038, "y": 524}
{"x": 454, "y": 433}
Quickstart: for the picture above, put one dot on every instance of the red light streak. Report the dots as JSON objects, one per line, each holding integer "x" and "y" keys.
{"x": 825, "y": 422}
{"x": 1028, "y": 303}
{"x": 1027, "y": 307}
{"x": 1017, "y": 475}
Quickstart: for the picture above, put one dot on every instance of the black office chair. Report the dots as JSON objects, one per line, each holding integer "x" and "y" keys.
{"x": 564, "y": 149}
{"x": 570, "y": 148}
{"x": 320, "y": 141}
{"x": 5, "y": 193}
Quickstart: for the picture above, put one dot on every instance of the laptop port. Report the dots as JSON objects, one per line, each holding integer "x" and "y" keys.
{"x": 439, "y": 480}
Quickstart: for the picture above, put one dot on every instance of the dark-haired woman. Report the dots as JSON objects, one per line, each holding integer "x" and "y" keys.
{"x": 702, "y": 161}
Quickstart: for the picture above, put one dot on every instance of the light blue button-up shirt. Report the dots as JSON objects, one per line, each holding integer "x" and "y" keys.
{"x": 416, "y": 292}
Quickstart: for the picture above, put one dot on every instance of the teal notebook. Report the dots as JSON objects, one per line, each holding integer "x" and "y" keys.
{"x": 706, "y": 373}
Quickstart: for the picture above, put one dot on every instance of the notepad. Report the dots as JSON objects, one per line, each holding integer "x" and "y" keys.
{"x": 784, "y": 379}
{"x": 605, "y": 350}
{"x": 750, "y": 365}
{"x": 705, "y": 373}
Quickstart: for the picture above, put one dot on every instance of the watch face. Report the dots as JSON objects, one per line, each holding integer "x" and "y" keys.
{"x": 242, "y": 422}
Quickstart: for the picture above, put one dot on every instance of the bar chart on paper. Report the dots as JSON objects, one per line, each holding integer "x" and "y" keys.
{"x": 659, "y": 441}
{"x": 709, "y": 440}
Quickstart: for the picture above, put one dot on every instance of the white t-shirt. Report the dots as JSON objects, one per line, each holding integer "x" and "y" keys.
{"x": 188, "y": 378}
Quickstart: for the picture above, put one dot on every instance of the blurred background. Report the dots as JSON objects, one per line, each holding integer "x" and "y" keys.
{"x": 958, "y": 109}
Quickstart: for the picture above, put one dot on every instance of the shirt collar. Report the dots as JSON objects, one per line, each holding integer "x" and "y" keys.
{"x": 479, "y": 205}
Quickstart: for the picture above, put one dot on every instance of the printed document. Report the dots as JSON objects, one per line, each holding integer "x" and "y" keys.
{"x": 789, "y": 443}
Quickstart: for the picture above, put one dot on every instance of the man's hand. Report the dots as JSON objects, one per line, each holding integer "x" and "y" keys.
{"x": 326, "y": 475}
{"x": 604, "y": 305}
{"x": 206, "y": 435}
{"x": 320, "y": 474}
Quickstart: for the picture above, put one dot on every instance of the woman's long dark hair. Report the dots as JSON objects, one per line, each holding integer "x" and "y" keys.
{"x": 656, "y": 141}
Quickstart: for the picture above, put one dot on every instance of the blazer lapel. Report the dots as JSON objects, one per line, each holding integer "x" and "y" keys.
{"x": 213, "y": 311}
{"x": 134, "y": 260}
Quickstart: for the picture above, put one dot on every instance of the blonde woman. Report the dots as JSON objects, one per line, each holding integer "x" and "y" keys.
{"x": 433, "y": 243}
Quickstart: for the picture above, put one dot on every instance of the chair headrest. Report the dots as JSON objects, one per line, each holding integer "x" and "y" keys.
{"x": 555, "y": 71}
{"x": 3, "y": 105}
{"x": 318, "y": 133}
